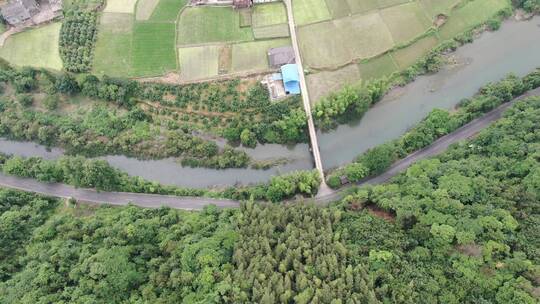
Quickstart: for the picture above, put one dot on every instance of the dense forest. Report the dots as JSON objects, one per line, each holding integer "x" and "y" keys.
{"x": 458, "y": 228}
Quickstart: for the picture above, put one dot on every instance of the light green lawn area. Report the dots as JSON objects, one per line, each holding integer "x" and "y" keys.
{"x": 199, "y": 62}
{"x": 361, "y": 6}
{"x": 389, "y": 3}
{"x": 323, "y": 83}
{"x": 272, "y": 31}
{"x": 252, "y": 56}
{"x": 335, "y": 43}
{"x": 269, "y": 14}
{"x": 338, "y": 8}
{"x": 472, "y": 14}
{"x": 405, "y": 21}
{"x": 407, "y": 56}
{"x": 120, "y": 6}
{"x": 436, "y": 7}
{"x": 36, "y": 47}
{"x": 211, "y": 24}
{"x": 112, "y": 54}
{"x": 144, "y": 9}
{"x": 153, "y": 49}
{"x": 167, "y": 10}
{"x": 310, "y": 11}
{"x": 377, "y": 67}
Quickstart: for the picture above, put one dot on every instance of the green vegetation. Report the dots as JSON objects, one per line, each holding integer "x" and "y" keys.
{"x": 459, "y": 228}
{"x": 153, "y": 52}
{"x": 378, "y": 67}
{"x": 211, "y": 24}
{"x": 167, "y": 10}
{"x": 310, "y": 11}
{"x": 269, "y": 14}
{"x": 120, "y": 6}
{"x": 437, "y": 124}
{"x": 77, "y": 38}
{"x": 112, "y": 254}
{"x": 22, "y": 49}
{"x": 410, "y": 14}
{"x": 145, "y": 9}
{"x": 112, "y": 55}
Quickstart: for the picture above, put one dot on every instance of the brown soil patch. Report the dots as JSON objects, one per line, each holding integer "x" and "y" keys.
{"x": 380, "y": 213}
{"x": 440, "y": 20}
{"x": 470, "y": 250}
{"x": 225, "y": 59}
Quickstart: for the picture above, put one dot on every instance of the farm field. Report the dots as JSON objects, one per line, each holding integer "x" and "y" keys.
{"x": 253, "y": 55}
{"x": 269, "y": 14}
{"x": 360, "y": 33}
{"x": 21, "y": 49}
{"x": 198, "y": 25}
{"x": 145, "y": 9}
{"x": 323, "y": 83}
{"x": 310, "y": 11}
{"x": 112, "y": 54}
{"x": 199, "y": 62}
{"x": 120, "y": 6}
{"x": 153, "y": 51}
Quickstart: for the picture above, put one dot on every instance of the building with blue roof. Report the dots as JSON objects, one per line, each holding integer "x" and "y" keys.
{"x": 291, "y": 79}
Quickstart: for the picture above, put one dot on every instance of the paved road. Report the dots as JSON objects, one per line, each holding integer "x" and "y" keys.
{"x": 305, "y": 98}
{"x": 197, "y": 203}
{"x": 113, "y": 198}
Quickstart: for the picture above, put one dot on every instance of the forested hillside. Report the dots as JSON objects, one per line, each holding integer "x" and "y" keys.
{"x": 459, "y": 228}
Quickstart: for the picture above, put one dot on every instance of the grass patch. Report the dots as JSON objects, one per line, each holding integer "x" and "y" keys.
{"x": 112, "y": 54}
{"x": 269, "y": 14}
{"x": 211, "y": 24}
{"x": 153, "y": 49}
{"x": 323, "y": 83}
{"x": 377, "y": 67}
{"x": 436, "y": 7}
{"x": 245, "y": 17}
{"x": 405, "y": 21}
{"x": 272, "y": 31}
{"x": 310, "y": 11}
{"x": 472, "y": 14}
{"x": 339, "y": 8}
{"x": 252, "y": 56}
{"x": 339, "y": 42}
{"x": 167, "y": 10}
{"x": 120, "y": 6}
{"x": 406, "y": 57}
{"x": 145, "y": 9}
{"x": 389, "y": 3}
{"x": 362, "y": 6}
{"x": 199, "y": 62}
{"x": 36, "y": 47}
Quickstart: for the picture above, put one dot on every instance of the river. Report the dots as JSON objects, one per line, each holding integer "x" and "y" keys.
{"x": 513, "y": 48}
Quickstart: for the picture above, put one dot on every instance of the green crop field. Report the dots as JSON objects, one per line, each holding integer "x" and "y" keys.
{"x": 252, "y": 56}
{"x": 35, "y": 47}
{"x": 144, "y": 9}
{"x": 405, "y": 21}
{"x": 120, "y": 6}
{"x": 388, "y": 3}
{"x": 269, "y": 14}
{"x": 310, "y": 11}
{"x": 271, "y": 31}
{"x": 407, "y": 56}
{"x": 153, "y": 49}
{"x": 436, "y": 7}
{"x": 377, "y": 67}
{"x": 470, "y": 15}
{"x": 199, "y": 62}
{"x": 323, "y": 83}
{"x": 112, "y": 54}
{"x": 211, "y": 24}
{"x": 338, "y": 42}
{"x": 167, "y": 10}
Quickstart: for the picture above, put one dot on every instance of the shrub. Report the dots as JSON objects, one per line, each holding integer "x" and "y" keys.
{"x": 25, "y": 100}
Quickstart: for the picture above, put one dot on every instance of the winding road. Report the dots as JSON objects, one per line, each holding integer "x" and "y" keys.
{"x": 197, "y": 203}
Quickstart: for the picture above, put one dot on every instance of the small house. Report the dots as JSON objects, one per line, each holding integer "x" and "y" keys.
{"x": 19, "y": 11}
{"x": 291, "y": 79}
{"x": 280, "y": 56}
